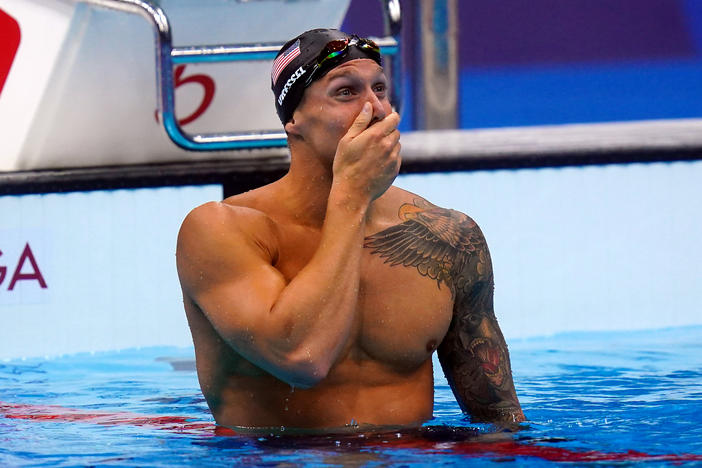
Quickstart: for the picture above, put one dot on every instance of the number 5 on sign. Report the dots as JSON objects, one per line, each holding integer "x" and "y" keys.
{"x": 208, "y": 92}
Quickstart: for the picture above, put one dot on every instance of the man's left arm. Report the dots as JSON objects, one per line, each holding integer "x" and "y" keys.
{"x": 449, "y": 247}
{"x": 474, "y": 354}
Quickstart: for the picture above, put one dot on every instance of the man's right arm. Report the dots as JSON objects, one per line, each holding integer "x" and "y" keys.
{"x": 295, "y": 331}
{"x": 289, "y": 330}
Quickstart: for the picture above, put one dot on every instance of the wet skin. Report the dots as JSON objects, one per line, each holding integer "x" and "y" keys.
{"x": 317, "y": 301}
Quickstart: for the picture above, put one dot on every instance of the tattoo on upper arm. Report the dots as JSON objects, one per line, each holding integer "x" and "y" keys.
{"x": 449, "y": 247}
{"x": 440, "y": 243}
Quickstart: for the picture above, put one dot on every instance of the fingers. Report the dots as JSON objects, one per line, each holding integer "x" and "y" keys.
{"x": 388, "y": 136}
{"x": 397, "y": 157}
{"x": 394, "y": 159}
{"x": 390, "y": 169}
{"x": 362, "y": 120}
{"x": 393, "y": 136}
{"x": 386, "y": 126}
{"x": 368, "y": 156}
{"x": 389, "y": 124}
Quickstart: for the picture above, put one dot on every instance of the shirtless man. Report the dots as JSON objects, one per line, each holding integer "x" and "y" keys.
{"x": 316, "y": 302}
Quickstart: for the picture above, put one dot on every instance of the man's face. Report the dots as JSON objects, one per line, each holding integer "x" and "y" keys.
{"x": 331, "y": 104}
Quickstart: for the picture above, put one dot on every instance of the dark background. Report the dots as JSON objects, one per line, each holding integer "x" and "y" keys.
{"x": 542, "y": 62}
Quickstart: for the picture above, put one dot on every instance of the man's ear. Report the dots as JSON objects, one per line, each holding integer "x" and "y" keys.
{"x": 292, "y": 129}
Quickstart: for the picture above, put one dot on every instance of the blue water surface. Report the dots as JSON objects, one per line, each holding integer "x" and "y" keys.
{"x": 589, "y": 397}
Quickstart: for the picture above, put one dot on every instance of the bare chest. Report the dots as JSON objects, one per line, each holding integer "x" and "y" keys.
{"x": 401, "y": 314}
{"x": 405, "y": 315}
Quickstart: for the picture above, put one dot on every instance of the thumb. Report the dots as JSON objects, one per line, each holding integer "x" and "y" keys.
{"x": 361, "y": 122}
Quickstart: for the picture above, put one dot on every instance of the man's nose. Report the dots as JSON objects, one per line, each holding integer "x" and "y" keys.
{"x": 379, "y": 111}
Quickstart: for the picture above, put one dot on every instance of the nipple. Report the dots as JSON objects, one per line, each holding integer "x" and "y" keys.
{"x": 431, "y": 346}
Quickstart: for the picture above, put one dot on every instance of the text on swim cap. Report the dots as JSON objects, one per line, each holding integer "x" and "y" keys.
{"x": 291, "y": 81}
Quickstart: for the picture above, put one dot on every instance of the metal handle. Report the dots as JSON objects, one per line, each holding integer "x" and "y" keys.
{"x": 167, "y": 56}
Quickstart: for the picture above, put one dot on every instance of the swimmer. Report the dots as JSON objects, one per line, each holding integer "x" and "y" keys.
{"x": 316, "y": 302}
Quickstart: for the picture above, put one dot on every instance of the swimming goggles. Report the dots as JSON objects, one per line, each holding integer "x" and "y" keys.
{"x": 340, "y": 47}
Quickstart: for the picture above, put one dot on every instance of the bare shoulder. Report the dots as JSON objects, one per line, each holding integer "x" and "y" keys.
{"x": 220, "y": 236}
{"x": 449, "y": 242}
{"x": 404, "y": 199}
{"x": 451, "y": 225}
{"x": 219, "y": 221}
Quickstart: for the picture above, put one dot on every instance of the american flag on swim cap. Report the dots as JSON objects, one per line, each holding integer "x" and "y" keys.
{"x": 284, "y": 59}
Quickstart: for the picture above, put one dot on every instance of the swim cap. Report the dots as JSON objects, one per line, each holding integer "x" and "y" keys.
{"x": 309, "y": 57}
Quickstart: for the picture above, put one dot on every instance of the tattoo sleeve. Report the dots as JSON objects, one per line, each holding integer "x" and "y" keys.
{"x": 449, "y": 247}
{"x": 474, "y": 354}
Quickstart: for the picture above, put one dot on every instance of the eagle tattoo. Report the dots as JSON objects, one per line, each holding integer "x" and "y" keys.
{"x": 440, "y": 243}
{"x": 448, "y": 246}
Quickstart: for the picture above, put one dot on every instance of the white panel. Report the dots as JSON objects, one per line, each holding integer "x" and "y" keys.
{"x": 100, "y": 107}
{"x": 108, "y": 260}
{"x": 43, "y": 26}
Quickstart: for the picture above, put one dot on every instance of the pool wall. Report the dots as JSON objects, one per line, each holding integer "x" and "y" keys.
{"x": 91, "y": 271}
{"x": 610, "y": 247}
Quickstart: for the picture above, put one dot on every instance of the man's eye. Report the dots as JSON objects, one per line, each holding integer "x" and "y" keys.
{"x": 380, "y": 88}
{"x": 344, "y": 92}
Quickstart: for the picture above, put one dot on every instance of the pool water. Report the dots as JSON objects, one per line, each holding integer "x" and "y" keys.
{"x": 605, "y": 397}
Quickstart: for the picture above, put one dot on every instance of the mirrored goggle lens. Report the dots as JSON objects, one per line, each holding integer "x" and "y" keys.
{"x": 332, "y": 49}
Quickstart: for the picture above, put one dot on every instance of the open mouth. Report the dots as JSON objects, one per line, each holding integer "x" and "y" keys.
{"x": 489, "y": 357}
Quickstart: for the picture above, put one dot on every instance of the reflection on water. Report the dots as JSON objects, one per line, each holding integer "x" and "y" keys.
{"x": 607, "y": 397}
